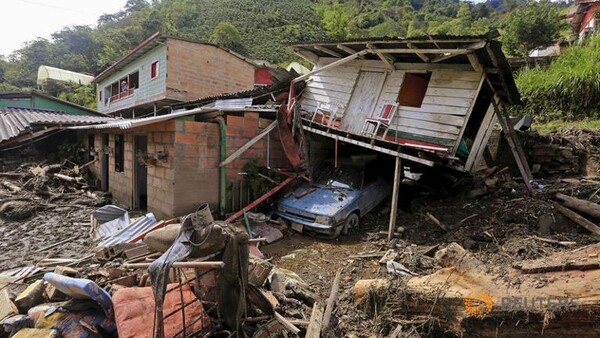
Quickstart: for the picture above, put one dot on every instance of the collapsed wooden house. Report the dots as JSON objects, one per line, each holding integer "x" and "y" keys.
{"x": 431, "y": 100}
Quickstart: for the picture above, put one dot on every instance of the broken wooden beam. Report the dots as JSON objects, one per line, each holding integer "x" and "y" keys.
{"x": 11, "y": 186}
{"x": 335, "y": 288}
{"x": 577, "y": 218}
{"x": 586, "y": 207}
{"x": 316, "y": 322}
{"x": 191, "y": 265}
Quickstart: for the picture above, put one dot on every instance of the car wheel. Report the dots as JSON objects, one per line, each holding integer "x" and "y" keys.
{"x": 352, "y": 222}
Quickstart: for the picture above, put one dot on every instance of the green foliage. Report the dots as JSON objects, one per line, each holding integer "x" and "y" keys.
{"x": 226, "y": 35}
{"x": 537, "y": 24}
{"x": 568, "y": 89}
{"x": 81, "y": 95}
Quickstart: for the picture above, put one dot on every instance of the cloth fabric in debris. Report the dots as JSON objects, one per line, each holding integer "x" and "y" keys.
{"x": 85, "y": 323}
{"x": 80, "y": 288}
{"x": 134, "y": 320}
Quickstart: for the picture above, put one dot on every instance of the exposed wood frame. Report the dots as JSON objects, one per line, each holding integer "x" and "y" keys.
{"x": 361, "y": 43}
{"x": 394, "y": 206}
{"x": 328, "y": 51}
{"x": 430, "y": 66}
{"x": 308, "y": 55}
{"x": 474, "y": 61}
{"x": 348, "y": 50}
{"x": 421, "y": 55}
{"x": 370, "y": 146}
{"x": 467, "y": 49}
{"x": 443, "y": 57}
{"x": 389, "y": 62}
{"x": 468, "y": 115}
{"x": 331, "y": 65}
{"x": 482, "y": 138}
{"x": 248, "y": 144}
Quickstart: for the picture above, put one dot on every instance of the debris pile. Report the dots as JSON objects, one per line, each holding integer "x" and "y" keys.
{"x": 565, "y": 152}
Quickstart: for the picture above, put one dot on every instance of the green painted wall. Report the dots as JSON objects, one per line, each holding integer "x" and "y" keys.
{"x": 23, "y": 103}
{"x": 149, "y": 88}
{"x": 42, "y": 102}
{"x": 36, "y": 101}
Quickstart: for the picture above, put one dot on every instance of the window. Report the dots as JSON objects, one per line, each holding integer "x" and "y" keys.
{"x": 119, "y": 153}
{"x": 412, "y": 91}
{"x": 154, "y": 70}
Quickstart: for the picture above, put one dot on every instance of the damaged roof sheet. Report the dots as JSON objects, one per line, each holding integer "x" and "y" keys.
{"x": 434, "y": 49}
{"x": 14, "y": 121}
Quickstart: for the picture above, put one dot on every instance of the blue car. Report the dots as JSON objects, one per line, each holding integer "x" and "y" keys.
{"x": 335, "y": 202}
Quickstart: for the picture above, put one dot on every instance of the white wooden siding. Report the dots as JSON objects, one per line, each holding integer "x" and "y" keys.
{"x": 447, "y": 104}
{"x": 363, "y": 101}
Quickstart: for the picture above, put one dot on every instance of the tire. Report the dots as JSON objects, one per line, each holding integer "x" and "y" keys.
{"x": 352, "y": 222}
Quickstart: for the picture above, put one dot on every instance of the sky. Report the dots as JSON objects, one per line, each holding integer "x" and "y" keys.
{"x": 25, "y": 20}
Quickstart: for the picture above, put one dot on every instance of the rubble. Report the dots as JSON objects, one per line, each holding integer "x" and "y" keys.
{"x": 462, "y": 262}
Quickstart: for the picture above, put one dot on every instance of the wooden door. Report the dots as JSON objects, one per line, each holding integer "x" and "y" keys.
{"x": 363, "y": 100}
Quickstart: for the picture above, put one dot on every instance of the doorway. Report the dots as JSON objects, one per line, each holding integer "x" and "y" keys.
{"x": 140, "y": 174}
{"x": 363, "y": 101}
{"x": 104, "y": 163}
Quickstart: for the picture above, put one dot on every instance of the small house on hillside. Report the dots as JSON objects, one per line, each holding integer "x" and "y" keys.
{"x": 164, "y": 70}
{"x": 426, "y": 101}
{"x": 431, "y": 100}
{"x": 583, "y": 18}
{"x": 26, "y": 117}
{"x": 170, "y": 164}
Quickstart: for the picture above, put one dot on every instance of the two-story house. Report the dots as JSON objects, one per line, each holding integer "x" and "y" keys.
{"x": 164, "y": 70}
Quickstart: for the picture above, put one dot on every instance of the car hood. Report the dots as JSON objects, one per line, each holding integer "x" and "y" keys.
{"x": 321, "y": 201}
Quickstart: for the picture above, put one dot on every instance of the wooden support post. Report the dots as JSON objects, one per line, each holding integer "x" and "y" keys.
{"x": 577, "y": 218}
{"x": 335, "y": 288}
{"x": 248, "y": 144}
{"x": 513, "y": 142}
{"x": 395, "y": 190}
{"x": 481, "y": 140}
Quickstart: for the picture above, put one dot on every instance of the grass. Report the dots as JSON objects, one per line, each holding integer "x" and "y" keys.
{"x": 552, "y": 126}
{"x": 568, "y": 89}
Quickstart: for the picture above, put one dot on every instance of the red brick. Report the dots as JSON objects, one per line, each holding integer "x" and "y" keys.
{"x": 167, "y": 137}
{"x": 234, "y": 121}
{"x": 185, "y": 138}
{"x": 194, "y": 127}
{"x": 169, "y": 125}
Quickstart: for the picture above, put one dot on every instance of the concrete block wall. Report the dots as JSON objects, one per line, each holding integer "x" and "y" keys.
{"x": 190, "y": 175}
{"x": 199, "y": 70}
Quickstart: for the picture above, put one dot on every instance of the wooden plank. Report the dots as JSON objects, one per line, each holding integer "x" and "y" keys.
{"x": 468, "y": 116}
{"x": 322, "y": 98}
{"x": 431, "y": 66}
{"x": 453, "y": 120}
{"x": 316, "y": 321}
{"x": 348, "y": 50}
{"x": 448, "y": 101}
{"x": 577, "y": 218}
{"x": 369, "y": 146}
{"x": 340, "y": 86}
{"x": 363, "y": 100}
{"x": 456, "y": 75}
{"x": 424, "y": 132}
{"x": 333, "y": 295}
{"x": 389, "y": 62}
{"x": 438, "y": 108}
{"x": 330, "y": 66}
{"x": 449, "y": 92}
{"x": 249, "y": 144}
{"x": 328, "y": 51}
{"x": 481, "y": 139}
{"x": 458, "y": 84}
{"x": 395, "y": 192}
{"x": 331, "y": 93}
{"x": 587, "y": 207}
{"x": 426, "y": 125}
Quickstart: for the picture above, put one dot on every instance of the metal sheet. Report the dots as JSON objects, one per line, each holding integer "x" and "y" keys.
{"x": 14, "y": 121}
{"x": 136, "y": 228}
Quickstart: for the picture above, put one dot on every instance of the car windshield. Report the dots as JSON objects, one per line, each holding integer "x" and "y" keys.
{"x": 344, "y": 177}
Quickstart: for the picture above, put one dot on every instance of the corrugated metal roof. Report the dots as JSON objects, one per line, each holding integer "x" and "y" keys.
{"x": 14, "y": 121}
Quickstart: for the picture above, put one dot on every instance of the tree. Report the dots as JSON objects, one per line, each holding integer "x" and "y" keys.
{"x": 226, "y": 35}
{"x": 537, "y": 24}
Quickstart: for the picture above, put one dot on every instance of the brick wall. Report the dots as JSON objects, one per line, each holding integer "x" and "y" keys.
{"x": 190, "y": 175}
{"x": 197, "y": 70}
